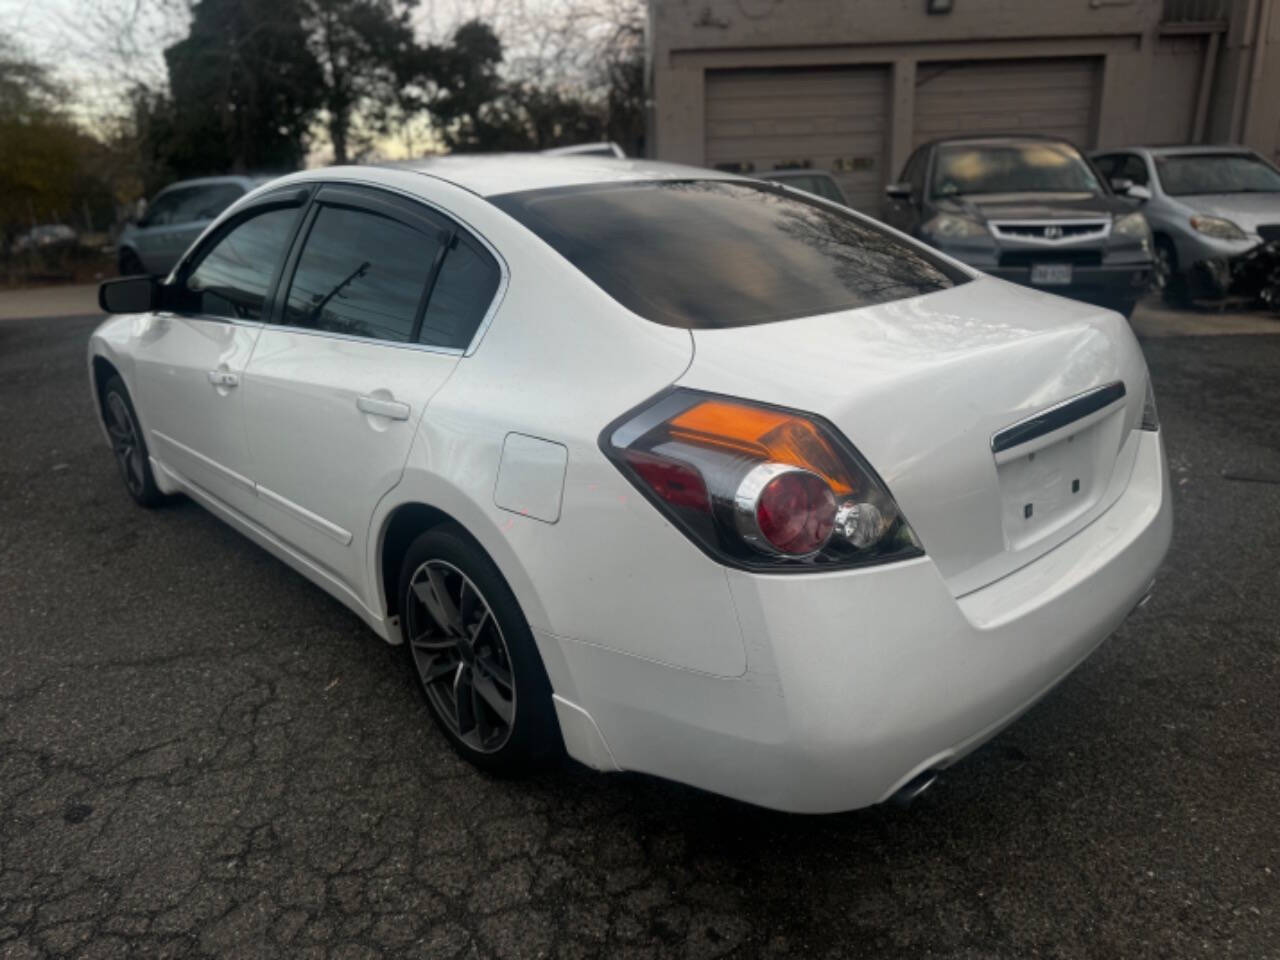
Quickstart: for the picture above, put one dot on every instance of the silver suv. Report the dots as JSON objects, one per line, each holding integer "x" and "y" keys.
{"x": 1203, "y": 203}
{"x": 174, "y": 218}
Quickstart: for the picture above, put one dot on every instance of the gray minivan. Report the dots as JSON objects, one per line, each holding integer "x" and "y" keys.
{"x": 174, "y": 218}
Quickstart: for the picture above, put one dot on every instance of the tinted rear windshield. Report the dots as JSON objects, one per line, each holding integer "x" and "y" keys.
{"x": 711, "y": 253}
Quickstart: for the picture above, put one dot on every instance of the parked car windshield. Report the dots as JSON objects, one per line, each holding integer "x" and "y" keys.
{"x": 1188, "y": 174}
{"x": 706, "y": 254}
{"x": 1032, "y": 166}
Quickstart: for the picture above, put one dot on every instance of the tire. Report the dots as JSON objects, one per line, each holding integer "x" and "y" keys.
{"x": 130, "y": 263}
{"x": 474, "y": 655}
{"x": 128, "y": 445}
{"x": 1172, "y": 280}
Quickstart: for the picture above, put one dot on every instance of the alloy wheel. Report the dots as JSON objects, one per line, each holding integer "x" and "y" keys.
{"x": 461, "y": 656}
{"x": 124, "y": 443}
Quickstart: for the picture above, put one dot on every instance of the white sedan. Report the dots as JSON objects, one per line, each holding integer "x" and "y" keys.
{"x": 672, "y": 470}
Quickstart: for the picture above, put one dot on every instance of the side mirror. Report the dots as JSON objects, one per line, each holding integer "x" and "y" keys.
{"x": 129, "y": 295}
{"x": 1121, "y": 184}
{"x": 898, "y": 191}
{"x": 1139, "y": 192}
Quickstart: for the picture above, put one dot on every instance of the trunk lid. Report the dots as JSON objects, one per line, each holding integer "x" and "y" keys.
{"x": 922, "y": 386}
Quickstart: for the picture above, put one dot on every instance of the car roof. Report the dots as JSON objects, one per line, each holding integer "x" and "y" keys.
{"x": 244, "y": 180}
{"x": 997, "y": 138}
{"x": 491, "y": 174}
{"x": 1176, "y": 150}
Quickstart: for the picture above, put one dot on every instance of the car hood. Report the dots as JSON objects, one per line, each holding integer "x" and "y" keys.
{"x": 1246, "y": 210}
{"x": 1035, "y": 206}
{"x": 921, "y": 386}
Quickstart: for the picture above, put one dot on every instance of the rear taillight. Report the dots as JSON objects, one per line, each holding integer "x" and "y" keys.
{"x": 758, "y": 486}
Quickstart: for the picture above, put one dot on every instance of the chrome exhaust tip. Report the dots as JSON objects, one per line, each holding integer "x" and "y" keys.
{"x": 906, "y": 794}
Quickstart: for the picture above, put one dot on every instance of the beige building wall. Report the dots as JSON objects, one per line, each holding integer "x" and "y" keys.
{"x": 1104, "y": 72}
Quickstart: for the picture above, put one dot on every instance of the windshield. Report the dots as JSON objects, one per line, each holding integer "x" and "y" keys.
{"x": 703, "y": 254}
{"x": 1030, "y": 167}
{"x": 1194, "y": 173}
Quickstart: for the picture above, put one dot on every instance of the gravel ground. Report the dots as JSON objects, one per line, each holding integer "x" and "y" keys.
{"x": 203, "y": 755}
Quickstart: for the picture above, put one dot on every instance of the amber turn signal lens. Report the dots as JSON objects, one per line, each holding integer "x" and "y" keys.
{"x": 769, "y": 435}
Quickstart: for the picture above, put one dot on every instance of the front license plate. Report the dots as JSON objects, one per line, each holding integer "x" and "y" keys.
{"x": 1051, "y": 274}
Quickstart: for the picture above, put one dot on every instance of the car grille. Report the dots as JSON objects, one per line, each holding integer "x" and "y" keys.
{"x": 1026, "y": 258}
{"x": 1270, "y": 232}
{"x": 1051, "y": 231}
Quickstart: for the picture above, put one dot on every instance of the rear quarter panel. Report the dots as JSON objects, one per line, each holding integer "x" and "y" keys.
{"x": 559, "y": 362}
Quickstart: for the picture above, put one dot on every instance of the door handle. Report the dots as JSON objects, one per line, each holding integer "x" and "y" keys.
{"x": 391, "y": 409}
{"x": 223, "y": 378}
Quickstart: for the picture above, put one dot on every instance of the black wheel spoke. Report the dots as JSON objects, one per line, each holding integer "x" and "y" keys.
{"x": 433, "y": 593}
{"x": 496, "y": 671}
{"x": 431, "y": 645}
{"x": 491, "y": 695}
{"x": 463, "y": 700}
{"x": 437, "y": 668}
{"x": 133, "y": 473}
{"x": 484, "y": 730}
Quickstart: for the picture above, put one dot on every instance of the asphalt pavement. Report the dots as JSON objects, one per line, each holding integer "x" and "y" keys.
{"x": 202, "y": 755}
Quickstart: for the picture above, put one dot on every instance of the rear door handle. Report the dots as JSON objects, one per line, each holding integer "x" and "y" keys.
{"x": 391, "y": 409}
{"x": 223, "y": 378}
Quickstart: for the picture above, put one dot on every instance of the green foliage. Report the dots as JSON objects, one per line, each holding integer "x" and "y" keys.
{"x": 244, "y": 86}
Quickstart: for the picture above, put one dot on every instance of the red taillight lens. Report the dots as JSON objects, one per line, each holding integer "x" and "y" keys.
{"x": 758, "y": 486}
{"x": 678, "y": 484}
{"x": 796, "y": 513}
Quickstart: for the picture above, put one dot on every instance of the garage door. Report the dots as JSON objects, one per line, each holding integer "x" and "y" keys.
{"x": 1057, "y": 97}
{"x": 833, "y": 119}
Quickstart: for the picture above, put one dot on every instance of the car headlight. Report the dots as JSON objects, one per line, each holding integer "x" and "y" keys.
{"x": 948, "y": 225}
{"x": 1135, "y": 225}
{"x": 1217, "y": 227}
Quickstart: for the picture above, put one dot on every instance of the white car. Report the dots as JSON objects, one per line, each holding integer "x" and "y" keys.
{"x": 679, "y": 472}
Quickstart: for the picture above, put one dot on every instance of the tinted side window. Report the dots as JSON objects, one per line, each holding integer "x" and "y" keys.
{"x": 164, "y": 209}
{"x": 361, "y": 274}
{"x": 233, "y": 278}
{"x": 1135, "y": 168}
{"x": 1108, "y": 165}
{"x": 463, "y": 290}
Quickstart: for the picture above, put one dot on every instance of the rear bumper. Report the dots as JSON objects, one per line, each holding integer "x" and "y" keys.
{"x": 859, "y": 680}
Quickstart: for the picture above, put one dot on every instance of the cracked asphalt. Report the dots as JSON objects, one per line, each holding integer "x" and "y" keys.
{"x": 201, "y": 755}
